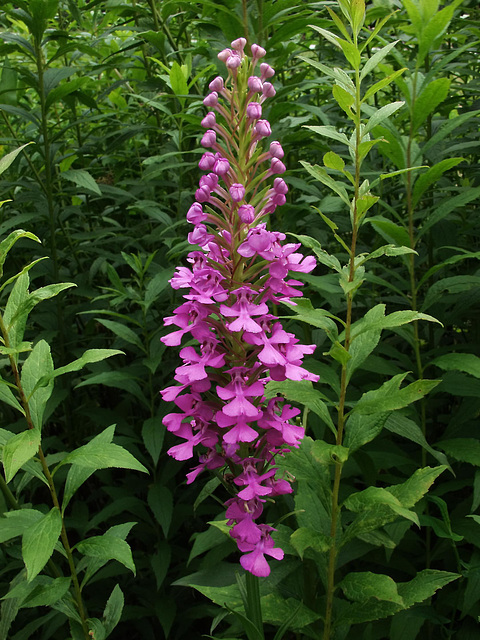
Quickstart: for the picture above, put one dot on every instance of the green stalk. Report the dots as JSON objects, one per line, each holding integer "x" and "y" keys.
{"x": 254, "y": 607}
{"x": 48, "y": 476}
{"x": 336, "y": 508}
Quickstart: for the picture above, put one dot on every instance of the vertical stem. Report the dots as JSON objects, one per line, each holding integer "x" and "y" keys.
{"x": 336, "y": 509}
{"x": 48, "y": 476}
{"x": 254, "y": 612}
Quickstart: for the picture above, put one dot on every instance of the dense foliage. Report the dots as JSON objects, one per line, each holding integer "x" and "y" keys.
{"x": 101, "y": 106}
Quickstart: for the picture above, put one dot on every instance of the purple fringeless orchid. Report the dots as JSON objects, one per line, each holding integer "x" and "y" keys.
{"x": 241, "y": 270}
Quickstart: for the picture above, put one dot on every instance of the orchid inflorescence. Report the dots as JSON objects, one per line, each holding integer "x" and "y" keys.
{"x": 241, "y": 267}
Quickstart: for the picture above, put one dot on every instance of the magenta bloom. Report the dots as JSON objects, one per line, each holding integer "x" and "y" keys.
{"x": 236, "y": 344}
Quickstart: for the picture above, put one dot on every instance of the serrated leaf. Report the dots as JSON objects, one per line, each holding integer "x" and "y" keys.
{"x": 77, "y": 475}
{"x": 39, "y": 541}
{"x": 38, "y": 364}
{"x": 304, "y": 393}
{"x": 304, "y": 538}
{"x": 7, "y": 396}
{"x": 19, "y": 450}
{"x": 466, "y": 362}
{"x": 410, "y": 491}
{"x": 374, "y": 319}
{"x": 15, "y": 523}
{"x": 44, "y": 293}
{"x": 107, "y": 547}
{"x": 113, "y": 610}
{"x": 462, "y": 449}
{"x": 389, "y": 397}
{"x": 386, "y": 250}
{"x": 102, "y": 455}
{"x": 82, "y": 179}
{"x": 363, "y": 586}
{"x": 360, "y": 429}
{"x": 43, "y": 591}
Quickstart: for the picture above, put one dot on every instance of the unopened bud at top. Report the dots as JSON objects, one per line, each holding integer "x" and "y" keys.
{"x": 209, "y": 138}
{"x": 209, "y": 120}
{"x": 237, "y": 192}
{"x": 277, "y": 166}
{"x": 238, "y": 44}
{"x": 262, "y": 128}
{"x": 280, "y": 186}
{"x": 258, "y": 51}
{"x": 211, "y": 100}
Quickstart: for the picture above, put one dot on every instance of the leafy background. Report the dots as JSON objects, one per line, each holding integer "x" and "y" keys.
{"x": 110, "y": 94}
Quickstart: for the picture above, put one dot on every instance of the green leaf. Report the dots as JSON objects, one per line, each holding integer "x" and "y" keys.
{"x": 360, "y": 429}
{"x": 102, "y": 455}
{"x": 316, "y": 317}
{"x": 402, "y": 426}
{"x": 380, "y": 115}
{"x": 328, "y": 132}
{"x": 18, "y": 295}
{"x": 178, "y": 81}
{"x": 323, "y": 257}
{"x": 373, "y": 62}
{"x": 320, "y": 174}
{"x": 375, "y": 319}
{"x": 90, "y": 356}
{"x": 206, "y": 491}
{"x": 424, "y": 585}
{"x": 39, "y": 541}
{"x": 123, "y": 332}
{"x": 5, "y": 162}
{"x": 7, "y": 396}
{"x": 390, "y": 231}
{"x": 344, "y": 99}
{"x": 77, "y": 474}
{"x": 19, "y": 450}
{"x": 410, "y": 491}
{"x": 389, "y": 397}
{"x": 333, "y": 161}
{"x": 360, "y": 349}
{"x": 304, "y": 538}
{"x": 428, "y": 100}
{"x": 434, "y": 29}
{"x": 386, "y": 250}
{"x": 44, "y": 293}
{"x": 107, "y": 547}
{"x": 339, "y": 353}
{"x": 15, "y": 523}
{"x": 43, "y": 591}
{"x": 304, "y": 393}
{"x": 160, "y": 501}
{"x": 153, "y": 434}
{"x": 432, "y": 175}
{"x": 113, "y": 610}
{"x": 462, "y": 449}
{"x": 371, "y": 91}
{"x": 38, "y": 364}
{"x": 361, "y": 587}
{"x": 82, "y": 179}
{"x": 466, "y": 362}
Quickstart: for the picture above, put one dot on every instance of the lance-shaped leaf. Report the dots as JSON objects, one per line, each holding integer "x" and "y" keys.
{"x": 82, "y": 179}
{"x": 39, "y": 541}
{"x": 390, "y": 397}
{"x": 15, "y": 523}
{"x": 113, "y": 610}
{"x": 462, "y": 449}
{"x": 18, "y": 450}
{"x": 12, "y": 238}
{"x": 38, "y": 364}
{"x": 304, "y": 538}
{"x": 107, "y": 547}
{"x": 44, "y": 293}
{"x": 363, "y": 586}
{"x": 5, "y": 162}
{"x": 373, "y": 62}
{"x": 375, "y": 319}
{"x": 102, "y": 455}
{"x": 432, "y": 175}
{"x": 42, "y": 591}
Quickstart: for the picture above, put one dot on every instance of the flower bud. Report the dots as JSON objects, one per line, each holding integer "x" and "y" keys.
{"x": 278, "y": 199}
{"x": 209, "y": 120}
{"x": 221, "y": 166}
{"x": 266, "y": 70}
{"x": 257, "y": 51}
{"x": 210, "y": 181}
{"x": 224, "y": 55}
{"x": 246, "y": 213}
{"x": 209, "y": 138}
{"x": 211, "y": 100}
{"x": 262, "y": 128}
{"x": 254, "y": 111}
{"x": 276, "y": 150}
{"x": 195, "y": 214}
{"x": 202, "y": 194}
{"x": 268, "y": 90}
{"x": 277, "y": 166}
{"x": 216, "y": 84}
{"x": 233, "y": 61}
{"x": 207, "y": 161}
{"x": 280, "y": 186}
{"x": 255, "y": 84}
{"x": 199, "y": 235}
{"x": 238, "y": 44}
{"x": 237, "y": 192}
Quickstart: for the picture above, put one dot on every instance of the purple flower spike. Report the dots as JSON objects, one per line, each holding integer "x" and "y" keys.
{"x": 236, "y": 344}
